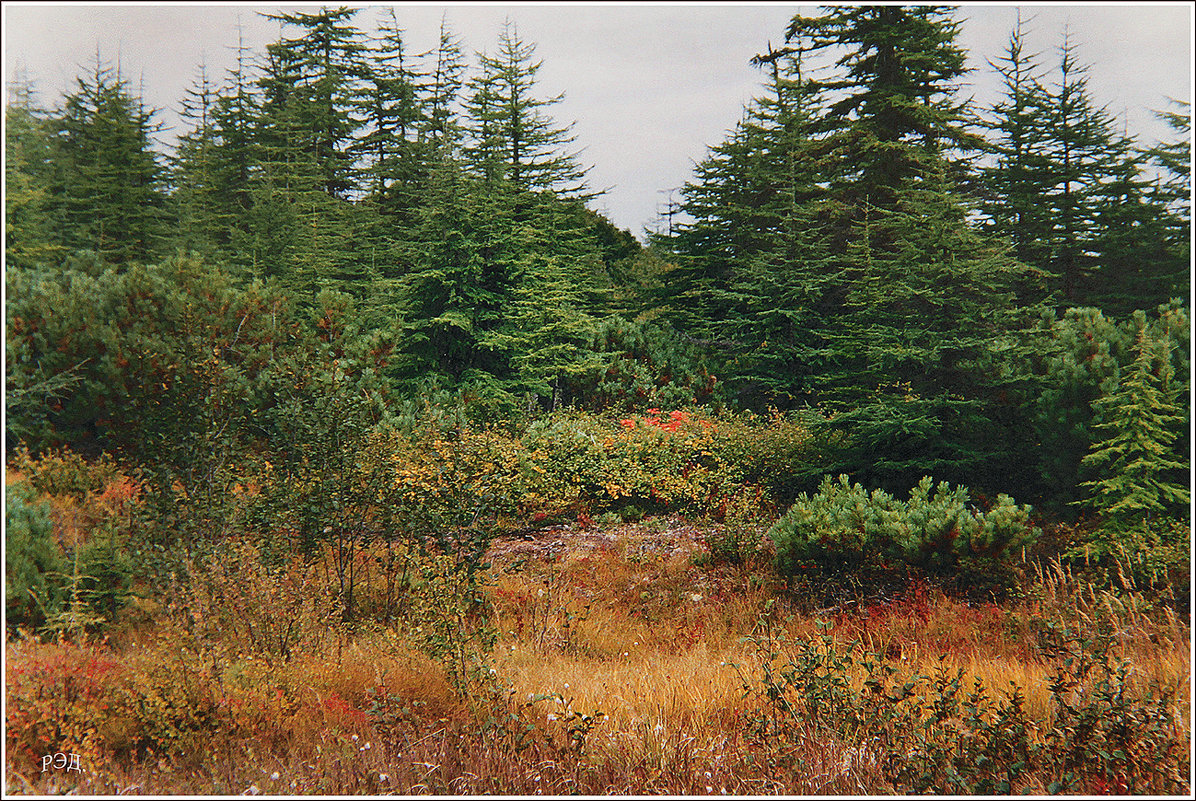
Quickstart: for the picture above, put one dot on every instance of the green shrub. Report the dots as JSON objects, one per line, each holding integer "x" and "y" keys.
{"x": 873, "y": 541}
{"x": 32, "y": 561}
{"x": 785, "y": 453}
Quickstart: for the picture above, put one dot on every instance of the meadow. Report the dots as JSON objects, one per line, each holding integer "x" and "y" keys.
{"x": 629, "y": 654}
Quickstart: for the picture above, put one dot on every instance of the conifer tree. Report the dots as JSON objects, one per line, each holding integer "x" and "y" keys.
{"x": 328, "y": 69}
{"x": 29, "y": 234}
{"x": 202, "y": 221}
{"x": 455, "y": 296}
{"x": 511, "y": 136}
{"x": 442, "y": 89}
{"x": 390, "y": 106}
{"x": 851, "y": 277}
{"x": 1134, "y": 460}
{"x": 1016, "y": 183}
{"x": 108, "y": 192}
{"x": 302, "y": 227}
{"x": 1069, "y": 190}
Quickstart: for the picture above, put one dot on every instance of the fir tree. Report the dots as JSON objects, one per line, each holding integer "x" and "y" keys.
{"x": 30, "y": 237}
{"x": 1021, "y": 175}
{"x": 443, "y": 86}
{"x": 202, "y": 221}
{"x": 108, "y": 185}
{"x": 511, "y": 136}
{"x": 1134, "y": 458}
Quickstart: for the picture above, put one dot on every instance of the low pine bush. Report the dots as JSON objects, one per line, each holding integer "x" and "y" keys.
{"x": 32, "y": 562}
{"x": 874, "y": 542}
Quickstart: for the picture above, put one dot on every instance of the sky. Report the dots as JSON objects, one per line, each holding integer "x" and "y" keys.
{"x": 648, "y": 88}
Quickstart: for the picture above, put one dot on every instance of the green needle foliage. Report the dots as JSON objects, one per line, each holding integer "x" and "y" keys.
{"x": 1133, "y": 460}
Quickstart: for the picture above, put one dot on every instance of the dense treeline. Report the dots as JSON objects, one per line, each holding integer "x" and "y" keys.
{"x": 977, "y": 294}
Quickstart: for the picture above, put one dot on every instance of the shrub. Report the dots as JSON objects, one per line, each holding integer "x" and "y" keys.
{"x": 876, "y": 542}
{"x": 942, "y": 733}
{"x": 651, "y": 463}
{"x": 32, "y": 561}
{"x": 743, "y": 515}
{"x": 62, "y": 472}
{"x": 234, "y": 598}
{"x": 56, "y": 701}
{"x": 785, "y": 453}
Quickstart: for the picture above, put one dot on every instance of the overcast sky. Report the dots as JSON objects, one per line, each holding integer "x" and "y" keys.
{"x": 648, "y": 87}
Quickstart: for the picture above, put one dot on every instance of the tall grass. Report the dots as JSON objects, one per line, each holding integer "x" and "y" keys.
{"x": 633, "y": 667}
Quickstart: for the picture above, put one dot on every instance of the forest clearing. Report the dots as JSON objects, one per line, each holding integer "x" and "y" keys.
{"x": 350, "y": 450}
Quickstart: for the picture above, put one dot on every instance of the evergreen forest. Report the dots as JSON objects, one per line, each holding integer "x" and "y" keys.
{"x": 345, "y": 420}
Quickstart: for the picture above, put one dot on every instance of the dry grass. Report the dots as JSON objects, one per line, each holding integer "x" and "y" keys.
{"x": 619, "y": 668}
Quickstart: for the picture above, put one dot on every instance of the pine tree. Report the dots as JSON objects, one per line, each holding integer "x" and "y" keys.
{"x": 234, "y": 154}
{"x": 1141, "y": 261}
{"x": 1134, "y": 458}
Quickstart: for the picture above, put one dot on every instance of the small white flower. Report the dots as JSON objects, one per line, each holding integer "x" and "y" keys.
{"x": 274, "y": 776}
{"x": 251, "y": 790}
{"x": 566, "y": 685}
{"x": 383, "y": 777}
{"x": 550, "y": 717}
{"x": 365, "y": 747}
{"x": 709, "y": 789}
{"x": 353, "y": 738}
{"x": 624, "y": 653}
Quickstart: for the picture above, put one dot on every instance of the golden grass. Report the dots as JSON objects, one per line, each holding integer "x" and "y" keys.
{"x": 653, "y": 649}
